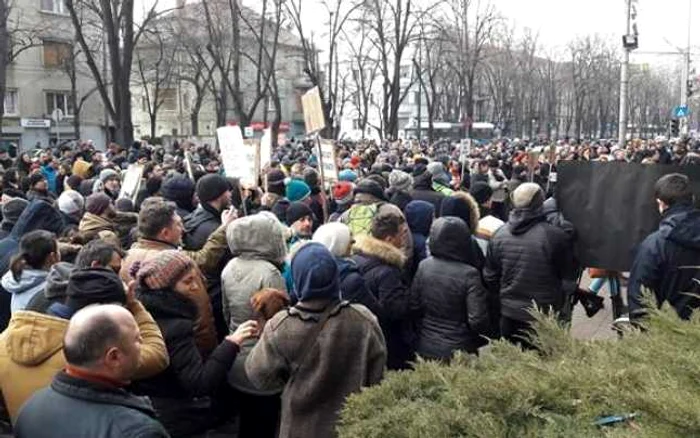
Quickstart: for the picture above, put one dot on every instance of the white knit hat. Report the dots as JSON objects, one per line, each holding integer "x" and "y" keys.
{"x": 71, "y": 202}
{"x": 335, "y": 236}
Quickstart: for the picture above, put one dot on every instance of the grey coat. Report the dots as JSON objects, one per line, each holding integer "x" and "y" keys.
{"x": 348, "y": 354}
{"x": 258, "y": 246}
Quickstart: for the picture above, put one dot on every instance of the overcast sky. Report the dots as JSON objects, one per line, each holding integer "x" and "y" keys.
{"x": 662, "y": 24}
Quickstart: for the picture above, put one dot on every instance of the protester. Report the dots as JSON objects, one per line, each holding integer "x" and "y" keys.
{"x": 342, "y": 192}
{"x": 11, "y": 211}
{"x": 419, "y": 216}
{"x": 322, "y": 349}
{"x": 300, "y": 221}
{"x": 110, "y": 183}
{"x": 71, "y": 205}
{"x": 214, "y": 194}
{"x": 180, "y": 190}
{"x": 98, "y": 220}
{"x": 102, "y": 348}
{"x": 38, "y": 188}
{"x": 423, "y": 187}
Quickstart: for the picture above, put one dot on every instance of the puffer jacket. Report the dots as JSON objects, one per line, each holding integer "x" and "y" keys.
{"x": 526, "y": 261}
{"x": 39, "y": 215}
{"x": 353, "y": 288}
{"x": 31, "y": 282}
{"x": 31, "y": 353}
{"x": 423, "y": 191}
{"x": 659, "y": 261}
{"x": 380, "y": 264}
{"x": 179, "y": 393}
{"x": 258, "y": 246}
{"x": 207, "y": 260}
{"x": 454, "y": 301}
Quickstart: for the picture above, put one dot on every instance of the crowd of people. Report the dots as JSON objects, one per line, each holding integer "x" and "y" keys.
{"x": 202, "y": 304}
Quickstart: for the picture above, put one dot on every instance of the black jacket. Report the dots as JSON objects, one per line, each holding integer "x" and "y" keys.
{"x": 526, "y": 261}
{"x": 423, "y": 191}
{"x": 454, "y": 301}
{"x": 353, "y": 288}
{"x": 380, "y": 265}
{"x": 659, "y": 257}
{"x": 179, "y": 393}
{"x": 73, "y": 407}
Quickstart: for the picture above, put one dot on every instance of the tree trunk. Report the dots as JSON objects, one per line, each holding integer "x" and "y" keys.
{"x": 4, "y": 55}
{"x": 194, "y": 122}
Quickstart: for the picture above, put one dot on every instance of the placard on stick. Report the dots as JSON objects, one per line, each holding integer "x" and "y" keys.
{"x": 328, "y": 161}
{"x": 314, "y": 119}
{"x": 132, "y": 182}
{"x": 241, "y": 158}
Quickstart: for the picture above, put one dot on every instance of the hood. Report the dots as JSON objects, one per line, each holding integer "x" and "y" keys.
{"x": 39, "y": 215}
{"x": 32, "y": 338}
{"x": 30, "y": 279}
{"x": 463, "y": 206}
{"x": 166, "y": 303}
{"x": 522, "y": 219}
{"x": 424, "y": 181}
{"x": 257, "y": 237}
{"x": 198, "y": 217}
{"x": 126, "y": 219}
{"x": 448, "y": 239}
{"x": 550, "y": 206}
{"x": 91, "y": 222}
{"x": 419, "y": 216}
{"x": 385, "y": 252}
{"x": 681, "y": 224}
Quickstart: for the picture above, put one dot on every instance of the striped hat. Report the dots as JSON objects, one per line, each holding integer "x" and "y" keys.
{"x": 164, "y": 269}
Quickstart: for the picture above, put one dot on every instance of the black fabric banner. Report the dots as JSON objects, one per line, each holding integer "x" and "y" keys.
{"x": 613, "y": 208}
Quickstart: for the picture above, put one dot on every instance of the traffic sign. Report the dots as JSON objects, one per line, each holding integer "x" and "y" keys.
{"x": 681, "y": 111}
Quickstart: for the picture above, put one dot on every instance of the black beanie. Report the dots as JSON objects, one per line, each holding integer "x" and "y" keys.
{"x": 419, "y": 169}
{"x": 211, "y": 186}
{"x": 370, "y": 187}
{"x": 34, "y": 178}
{"x": 481, "y": 192}
{"x": 94, "y": 286}
{"x": 296, "y": 211}
{"x": 178, "y": 189}
{"x": 12, "y": 209}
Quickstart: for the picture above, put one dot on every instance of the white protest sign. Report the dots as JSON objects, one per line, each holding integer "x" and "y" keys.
{"x": 240, "y": 157}
{"x": 313, "y": 111}
{"x": 265, "y": 148}
{"x": 248, "y": 131}
{"x": 327, "y": 161}
{"x": 132, "y": 182}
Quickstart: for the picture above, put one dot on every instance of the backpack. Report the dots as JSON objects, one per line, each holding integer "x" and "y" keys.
{"x": 359, "y": 218}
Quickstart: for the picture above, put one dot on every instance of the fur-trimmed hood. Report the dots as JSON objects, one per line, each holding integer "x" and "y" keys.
{"x": 474, "y": 214}
{"x": 386, "y": 252}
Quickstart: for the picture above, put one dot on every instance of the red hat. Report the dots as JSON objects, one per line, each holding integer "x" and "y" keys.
{"x": 342, "y": 192}
{"x": 355, "y": 161}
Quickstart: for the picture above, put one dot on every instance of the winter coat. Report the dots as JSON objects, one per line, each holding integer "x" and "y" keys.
{"x": 499, "y": 184}
{"x": 348, "y": 354}
{"x": 258, "y": 246}
{"x": 207, "y": 260}
{"x": 38, "y": 215}
{"x": 51, "y": 176}
{"x": 31, "y": 282}
{"x": 125, "y": 224}
{"x": 423, "y": 191}
{"x": 179, "y": 392}
{"x": 199, "y": 225}
{"x": 469, "y": 213}
{"x": 96, "y": 227}
{"x": 419, "y": 216}
{"x": 73, "y": 407}
{"x": 380, "y": 264}
{"x": 353, "y": 287}
{"x": 454, "y": 301}
{"x": 31, "y": 353}
{"x": 526, "y": 261}
{"x": 5, "y": 229}
{"x": 657, "y": 264}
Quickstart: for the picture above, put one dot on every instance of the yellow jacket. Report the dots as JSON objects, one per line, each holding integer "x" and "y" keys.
{"x": 31, "y": 353}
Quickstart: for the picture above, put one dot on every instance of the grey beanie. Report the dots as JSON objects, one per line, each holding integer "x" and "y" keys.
{"x": 528, "y": 195}
{"x": 436, "y": 168}
{"x": 107, "y": 174}
{"x": 400, "y": 180}
{"x": 12, "y": 209}
{"x": 57, "y": 280}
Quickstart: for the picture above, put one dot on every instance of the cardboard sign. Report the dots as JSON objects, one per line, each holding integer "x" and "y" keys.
{"x": 240, "y": 157}
{"x": 132, "y": 182}
{"x": 328, "y": 162}
{"x": 314, "y": 119}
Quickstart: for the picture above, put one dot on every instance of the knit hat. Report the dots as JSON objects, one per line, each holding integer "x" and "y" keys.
{"x": 400, "y": 180}
{"x": 355, "y": 161}
{"x": 97, "y": 203}
{"x": 164, "y": 269}
{"x": 342, "y": 192}
{"x": 34, "y": 178}
{"x": 311, "y": 177}
{"x": 275, "y": 177}
{"x": 347, "y": 175}
{"x": 371, "y": 188}
{"x": 297, "y": 190}
{"x": 94, "y": 286}
{"x": 211, "y": 186}
{"x": 436, "y": 168}
{"x": 108, "y": 174}
{"x": 57, "y": 280}
{"x": 296, "y": 211}
{"x": 71, "y": 202}
{"x": 335, "y": 236}
{"x": 74, "y": 181}
{"x": 528, "y": 195}
{"x": 178, "y": 189}
{"x": 125, "y": 205}
{"x": 481, "y": 192}
{"x": 12, "y": 209}
{"x": 315, "y": 273}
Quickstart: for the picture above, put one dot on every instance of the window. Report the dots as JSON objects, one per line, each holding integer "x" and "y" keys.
{"x": 55, "y": 6}
{"x": 11, "y": 102}
{"x": 60, "y": 100}
{"x": 56, "y": 54}
{"x": 168, "y": 99}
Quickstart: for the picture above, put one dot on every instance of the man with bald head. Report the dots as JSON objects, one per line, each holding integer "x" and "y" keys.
{"x": 87, "y": 398}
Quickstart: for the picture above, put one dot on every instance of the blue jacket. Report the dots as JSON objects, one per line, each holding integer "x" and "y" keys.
{"x": 419, "y": 216}
{"x": 51, "y": 176}
{"x": 661, "y": 257}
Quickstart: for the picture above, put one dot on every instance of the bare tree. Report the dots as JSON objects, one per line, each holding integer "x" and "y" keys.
{"x": 363, "y": 69}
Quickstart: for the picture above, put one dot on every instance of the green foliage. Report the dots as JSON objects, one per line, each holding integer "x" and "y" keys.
{"x": 557, "y": 393}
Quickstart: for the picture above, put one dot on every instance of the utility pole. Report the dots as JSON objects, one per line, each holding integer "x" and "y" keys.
{"x": 629, "y": 43}
{"x": 684, "y": 128}
{"x": 420, "y": 89}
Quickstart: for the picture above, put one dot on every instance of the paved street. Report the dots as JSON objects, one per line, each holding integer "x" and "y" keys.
{"x": 597, "y": 327}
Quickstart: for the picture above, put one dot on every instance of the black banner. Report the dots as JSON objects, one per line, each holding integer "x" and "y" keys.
{"x": 613, "y": 208}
